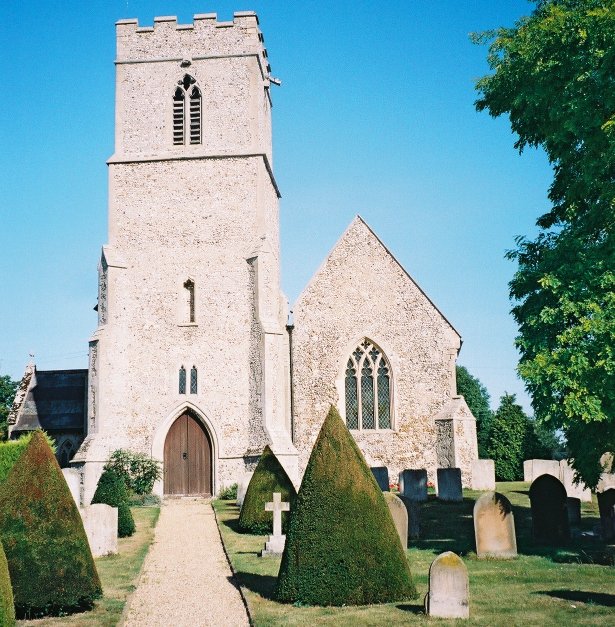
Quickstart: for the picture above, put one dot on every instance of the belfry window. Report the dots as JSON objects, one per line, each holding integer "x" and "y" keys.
{"x": 187, "y": 112}
{"x": 190, "y": 305}
{"x": 193, "y": 380}
{"x": 368, "y": 388}
{"x": 182, "y": 380}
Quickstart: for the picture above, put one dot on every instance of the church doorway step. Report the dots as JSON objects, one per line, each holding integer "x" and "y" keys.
{"x": 187, "y": 459}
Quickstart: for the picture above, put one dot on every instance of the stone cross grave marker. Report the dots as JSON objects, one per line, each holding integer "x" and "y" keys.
{"x": 449, "y": 588}
{"x": 381, "y": 475}
{"x": 275, "y": 546}
{"x": 606, "y": 505}
{"x": 413, "y": 484}
{"x": 549, "y": 510}
{"x": 494, "y": 527}
{"x": 449, "y": 485}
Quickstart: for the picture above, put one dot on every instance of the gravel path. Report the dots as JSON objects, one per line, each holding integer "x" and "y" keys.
{"x": 185, "y": 579}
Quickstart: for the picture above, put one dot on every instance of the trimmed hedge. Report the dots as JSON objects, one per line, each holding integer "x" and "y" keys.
{"x": 49, "y": 558}
{"x": 11, "y": 450}
{"x": 111, "y": 490}
{"x": 342, "y": 547}
{"x": 269, "y": 477}
{"x": 7, "y": 608}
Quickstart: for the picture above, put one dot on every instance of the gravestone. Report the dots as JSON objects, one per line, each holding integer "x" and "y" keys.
{"x": 73, "y": 480}
{"x": 483, "y": 474}
{"x": 573, "y": 507}
{"x": 534, "y": 468}
{"x": 100, "y": 524}
{"x": 577, "y": 491}
{"x": 275, "y": 545}
{"x": 414, "y": 520}
{"x": 399, "y": 515}
{"x": 606, "y": 505}
{"x": 549, "y": 511}
{"x": 413, "y": 484}
{"x": 494, "y": 527}
{"x": 449, "y": 588}
{"x": 242, "y": 487}
{"x": 607, "y": 481}
{"x": 449, "y": 485}
{"x": 381, "y": 474}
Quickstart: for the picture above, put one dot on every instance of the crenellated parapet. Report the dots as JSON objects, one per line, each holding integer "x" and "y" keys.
{"x": 205, "y": 37}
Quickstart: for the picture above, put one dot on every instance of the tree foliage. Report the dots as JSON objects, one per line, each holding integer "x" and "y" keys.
{"x": 477, "y": 398}
{"x": 554, "y": 76}
{"x": 7, "y": 607}
{"x": 138, "y": 470}
{"x": 111, "y": 490}
{"x": 507, "y": 439}
{"x": 8, "y": 387}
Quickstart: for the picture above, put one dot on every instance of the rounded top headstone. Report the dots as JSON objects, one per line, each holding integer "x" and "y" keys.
{"x": 449, "y": 588}
{"x": 494, "y": 526}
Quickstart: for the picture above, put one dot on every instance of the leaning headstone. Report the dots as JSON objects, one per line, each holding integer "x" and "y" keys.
{"x": 414, "y": 518}
{"x": 381, "y": 474}
{"x": 100, "y": 524}
{"x": 413, "y": 484}
{"x": 549, "y": 511}
{"x": 399, "y": 515}
{"x": 449, "y": 484}
{"x": 534, "y": 468}
{"x": 483, "y": 474}
{"x": 242, "y": 487}
{"x": 275, "y": 545}
{"x": 449, "y": 588}
{"x": 577, "y": 491}
{"x": 73, "y": 479}
{"x": 494, "y": 527}
{"x": 573, "y": 507}
{"x": 606, "y": 505}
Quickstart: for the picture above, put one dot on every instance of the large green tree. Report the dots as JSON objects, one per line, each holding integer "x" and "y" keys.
{"x": 477, "y": 398}
{"x": 507, "y": 439}
{"x": 554, "y": 76}
{"x": 8, "y": 387}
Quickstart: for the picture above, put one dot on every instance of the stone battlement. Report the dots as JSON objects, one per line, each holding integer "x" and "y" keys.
{"x": 205, "y": 37}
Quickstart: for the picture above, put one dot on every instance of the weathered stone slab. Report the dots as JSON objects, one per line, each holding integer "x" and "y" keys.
{"x": 577, "y": 491}
{"x": 494, "y": 527}
{"x": 100, "y": 524}
{"x": 381, "y": 474}
{"x": 73, "y": 479}
{"x": 549, "y": 511}
{"x": 242, "y": 487}
{"x": 606, "y": 505}
{"x": 483, "y": 474}
{"x": 413, "y": 484}
{"x": 534, "y": 468}
{"x": 573, "y": 507}
{"x": 449, "y": 484}
{"x": 449, "y": 588}
{"x": 413, "y": 510}
{"x": 399, "y": 515}
{"x": 607, "y": 481}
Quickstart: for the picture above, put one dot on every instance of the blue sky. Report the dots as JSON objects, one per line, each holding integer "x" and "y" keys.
{"x": 375, "y": 116}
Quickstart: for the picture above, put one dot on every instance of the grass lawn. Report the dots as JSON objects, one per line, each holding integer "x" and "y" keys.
{"x": 118, "y": 574}
{"x": 571, "y": 585}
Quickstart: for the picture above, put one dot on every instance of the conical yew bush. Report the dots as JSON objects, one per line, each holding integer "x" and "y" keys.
{"x": 111, "y": 490}
{"x": 269, "y": 477}
{"x": 342, "y": 547}
{"x": 7, "y": 608}
{"x": 49, "y": 558}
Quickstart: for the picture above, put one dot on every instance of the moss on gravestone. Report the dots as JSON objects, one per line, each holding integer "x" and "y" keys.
{"x": 49, "y": 558}
{"x": 342, "y": 547}
{"x": 269, "y": 477}
{"x": 111, "y": 490}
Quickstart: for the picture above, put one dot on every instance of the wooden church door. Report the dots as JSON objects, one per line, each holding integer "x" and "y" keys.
{"x": 187, "y": 458}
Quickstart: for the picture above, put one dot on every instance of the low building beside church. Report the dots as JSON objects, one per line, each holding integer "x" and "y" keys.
{"x": 194, "y": 360}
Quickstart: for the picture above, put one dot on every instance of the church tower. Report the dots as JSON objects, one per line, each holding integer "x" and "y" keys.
{"x": 189, "y": 362}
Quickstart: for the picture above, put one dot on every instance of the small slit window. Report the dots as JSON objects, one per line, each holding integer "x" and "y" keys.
{"x": 187, "y": 114}
{"x": 182, "y": 380}
{"x": 190, "y": 305}
{"x": 368, "y": 388}
{"x": 193, "y": 380}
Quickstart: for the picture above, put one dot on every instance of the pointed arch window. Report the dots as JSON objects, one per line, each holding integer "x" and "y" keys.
{"x": 187, "y": 114}
{"x": 182, "y": 380}
{"x": 368, "y": 388}
{"x": 193, "y": 380}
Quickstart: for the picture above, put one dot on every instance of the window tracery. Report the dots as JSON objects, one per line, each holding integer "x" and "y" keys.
{"x": 187, "y": 112}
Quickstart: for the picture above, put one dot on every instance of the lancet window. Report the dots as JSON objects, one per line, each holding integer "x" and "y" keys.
{"x": 187, "y": 112}
{"x": 182, "y": 380}
{"x": 190, "y": 304}
{"x": 193, "y": 380}
{"x": 368, "y": 388}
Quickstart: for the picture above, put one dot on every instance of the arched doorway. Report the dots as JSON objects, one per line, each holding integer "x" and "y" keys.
{"x": 187, "y": 458}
